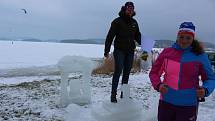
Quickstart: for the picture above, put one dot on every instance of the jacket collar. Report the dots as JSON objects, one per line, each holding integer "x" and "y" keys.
{"x": 178, "y": 47}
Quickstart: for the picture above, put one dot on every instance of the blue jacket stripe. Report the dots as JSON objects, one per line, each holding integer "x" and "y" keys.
{"x": 185, "y": 97}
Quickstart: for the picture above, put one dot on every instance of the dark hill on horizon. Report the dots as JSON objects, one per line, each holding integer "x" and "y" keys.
{"x": 158, "y": 43}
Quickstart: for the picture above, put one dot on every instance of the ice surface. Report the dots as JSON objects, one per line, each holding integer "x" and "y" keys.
{"x": 125, "y": 109}
{"x": 30, "y": 71}
{"x": 37, "y": 54}
{"x": 120, "y": 111}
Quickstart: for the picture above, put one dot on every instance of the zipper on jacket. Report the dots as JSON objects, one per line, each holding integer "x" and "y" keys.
{"x": 180, "y": 73}
{"x": 179, "y": 80}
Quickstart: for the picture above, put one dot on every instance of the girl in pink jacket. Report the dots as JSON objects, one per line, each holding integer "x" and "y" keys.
{"x": 182, "y": 65}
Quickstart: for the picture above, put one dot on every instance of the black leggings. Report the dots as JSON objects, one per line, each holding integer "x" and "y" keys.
{"x": 169, "y": 112}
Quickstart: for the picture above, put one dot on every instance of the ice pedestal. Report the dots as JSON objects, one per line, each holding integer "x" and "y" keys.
{"x": 79, "y": 92}
{"x": 125, "y": 109}
{"x": 76, "y": 90}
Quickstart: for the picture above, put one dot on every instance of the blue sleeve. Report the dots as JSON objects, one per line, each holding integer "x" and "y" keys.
{"x": 209, "y": 83}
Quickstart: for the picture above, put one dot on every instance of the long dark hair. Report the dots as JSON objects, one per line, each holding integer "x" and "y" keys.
{"x": 197, "y": 47}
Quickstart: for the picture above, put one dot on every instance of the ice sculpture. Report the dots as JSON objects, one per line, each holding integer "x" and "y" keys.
{"x": 76, "y": 90}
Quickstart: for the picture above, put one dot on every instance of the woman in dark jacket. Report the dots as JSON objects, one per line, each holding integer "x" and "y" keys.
{"x": 124, "y": 31}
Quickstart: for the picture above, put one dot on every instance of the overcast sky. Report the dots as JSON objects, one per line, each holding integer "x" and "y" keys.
{"x": 63, "y": 19}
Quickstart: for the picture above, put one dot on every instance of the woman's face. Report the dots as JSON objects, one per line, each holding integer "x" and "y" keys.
{"x": 129, "y": 11}
{"x": 185, "y": 40}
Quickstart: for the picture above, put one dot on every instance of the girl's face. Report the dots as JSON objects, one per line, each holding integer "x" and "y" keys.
{"x": 185, "y": 40}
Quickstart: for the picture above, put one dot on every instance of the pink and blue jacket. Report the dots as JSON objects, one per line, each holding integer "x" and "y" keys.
{"x": 182, "y": 70}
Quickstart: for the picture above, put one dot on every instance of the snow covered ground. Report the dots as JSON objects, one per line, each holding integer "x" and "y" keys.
{"x": 29, "y": 85}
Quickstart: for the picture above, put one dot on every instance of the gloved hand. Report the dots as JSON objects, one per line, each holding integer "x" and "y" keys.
{"x": 163, "y": 88}
{"x": 106, "y": 55}
{"x": 200, "y": 92}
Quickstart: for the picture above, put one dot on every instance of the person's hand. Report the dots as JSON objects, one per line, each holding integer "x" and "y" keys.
{"x": 163, "y": 88}
{"x": 200, "y": 92}
{"x": 106, "y": 55}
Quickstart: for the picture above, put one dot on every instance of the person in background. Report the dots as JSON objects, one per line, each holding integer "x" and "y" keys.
{"x": 182, "y": 64}
{"x": 124, "y": 31}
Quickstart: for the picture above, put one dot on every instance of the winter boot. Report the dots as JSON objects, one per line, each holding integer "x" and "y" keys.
{"x": 113, "y": 98}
